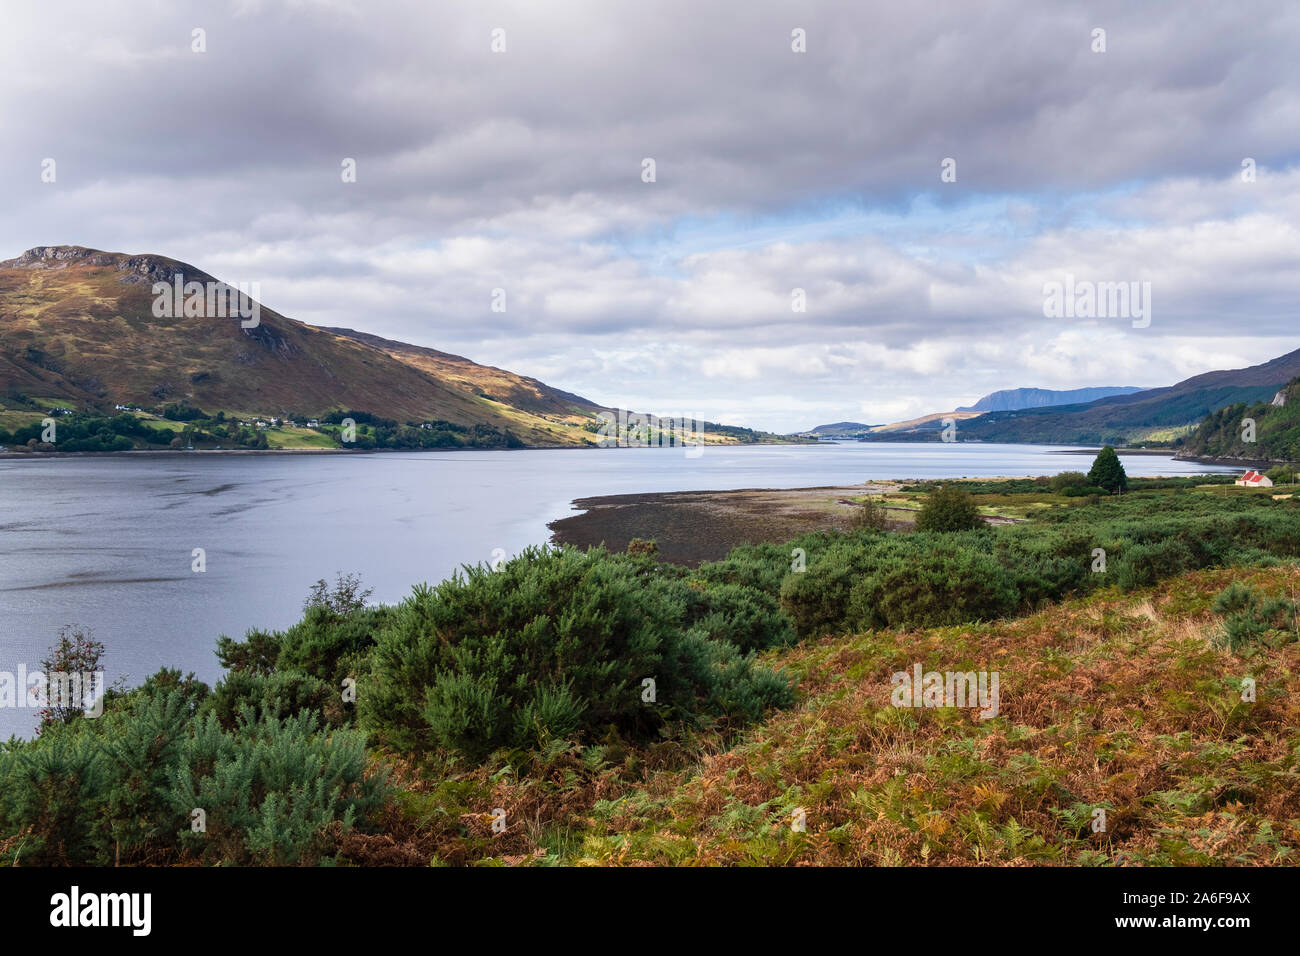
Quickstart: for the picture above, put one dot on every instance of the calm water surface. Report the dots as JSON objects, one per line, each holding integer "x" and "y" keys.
{"x": 107, "y": 542}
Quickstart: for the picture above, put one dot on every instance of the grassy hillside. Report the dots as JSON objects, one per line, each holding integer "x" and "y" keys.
{"x": 77, "y": 328}
{"x": 1126, "y": 703}
{"x": 1277, "y": 431}
{"x": 82, "y": 327}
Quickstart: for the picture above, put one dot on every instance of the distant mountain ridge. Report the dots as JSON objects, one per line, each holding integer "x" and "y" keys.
{"x": 1154, "y": 415}
{"x": 1123, "y": 415}
{"x": 839, "y": 430}
{"x": 1014, "y": 399}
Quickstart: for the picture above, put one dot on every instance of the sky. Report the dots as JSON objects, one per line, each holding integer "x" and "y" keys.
{"x": 796, "y": 146}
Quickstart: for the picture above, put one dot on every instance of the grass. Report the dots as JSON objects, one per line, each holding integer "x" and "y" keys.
{"x": 12, "y": 420}
{"x": 1128, "y": 704}
{"x": 298, "y": 438}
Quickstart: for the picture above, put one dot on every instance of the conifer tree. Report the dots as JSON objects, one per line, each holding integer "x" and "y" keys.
{"x": 1108, "y": 472}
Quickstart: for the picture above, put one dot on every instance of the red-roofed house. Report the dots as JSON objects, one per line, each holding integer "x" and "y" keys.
{"x": 1253, "y": 479}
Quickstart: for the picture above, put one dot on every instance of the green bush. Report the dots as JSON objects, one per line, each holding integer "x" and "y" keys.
{"x": 1250, "y": 617}
{"x": 273, "y": 790}
{"x": 941, "y": 584}
{"x": 557, "y": 642}
{"x": 1069, "y": 479}
{"x": 1083, "y": 491}
{"x": 51, "y": 799}
{"x": 278, "y": 694}
{"x": 1142, "y": 565}
{"x": 948, "y": 509}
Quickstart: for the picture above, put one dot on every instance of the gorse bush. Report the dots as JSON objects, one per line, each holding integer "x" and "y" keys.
{"x": 559, "y": 642}
{"x": 860, "y": 581}
{"x": 942, "y": 584}
{"x": 1250, "y": 617}
{"x": 948, "y": 508}
{"x": 121, "y": 789}
{"x": 283, "y": 673}
{"x": 1069, "y": 479}
{"x": 272, "y": 789}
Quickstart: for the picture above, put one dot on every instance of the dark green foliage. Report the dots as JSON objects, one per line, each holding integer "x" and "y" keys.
{"x": 49, "y": 802}
{"x": 83, "y": 431}
{"x": 140, "y": 755}
{"x": 183, "y": 411}
{"x": 272, "y": 788}
{"x": 1083, "y": 491}
{"x": 255, "y": 654}
{"x": 373, "y": 431}
{"x": 1061, "y": 484}
{"x": 278, "y": 694}
{"x": 748, "y": 619}
{"x": 1277, "y": 430}
{"x": 948, "y": 509}
{"x": 1069, "y": 479}
{"x": 1143, "y": 564}
{"x": 817, "y": 599}
{"x": 867, "y": 581}
{"x": 1108, "y": 472}
{"x": 557, "y": 642}
{"x": 1250, "y": 617}
{"x": 121, "y": 789}
{"x": 943, "y": 583}
{"x": 302, "y": 668}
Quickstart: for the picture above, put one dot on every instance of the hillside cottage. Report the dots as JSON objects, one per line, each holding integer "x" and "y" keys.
{"x": 1253, "y": 479}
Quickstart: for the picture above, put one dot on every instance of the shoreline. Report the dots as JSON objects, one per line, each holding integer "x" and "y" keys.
{"x": 691, "y": 527}
{"x": 1256, "y": 463}
{"x": 143, "y": 452}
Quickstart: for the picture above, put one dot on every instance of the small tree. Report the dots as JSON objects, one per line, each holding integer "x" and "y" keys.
{"x": 1108, "y": 472}
{"x": 73, "y": 659}
{"x": 347, "y": 596}
{"x": 1281, "y": 475}
{"x": 949, "y": 509}
{"x": 1069, "y": 479}
{"x": 869, "y": 516}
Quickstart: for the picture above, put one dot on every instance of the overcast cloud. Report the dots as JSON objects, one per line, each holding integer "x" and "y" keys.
{"x": 775, "y": 170}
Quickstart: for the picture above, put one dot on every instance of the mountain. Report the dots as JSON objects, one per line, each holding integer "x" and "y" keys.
{"x": 1013, "y": 399}
{"x": 517, "y": 397}
{"x": 923, "y": 428}
{"x": 1155, "y": 415}
{"x": 1276, "y": 432}
{"x": 839, "y": 430}
{"x": 78, "y": 328}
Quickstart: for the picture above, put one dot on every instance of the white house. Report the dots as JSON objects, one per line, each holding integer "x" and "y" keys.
{"x": 1253, "y": 479}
